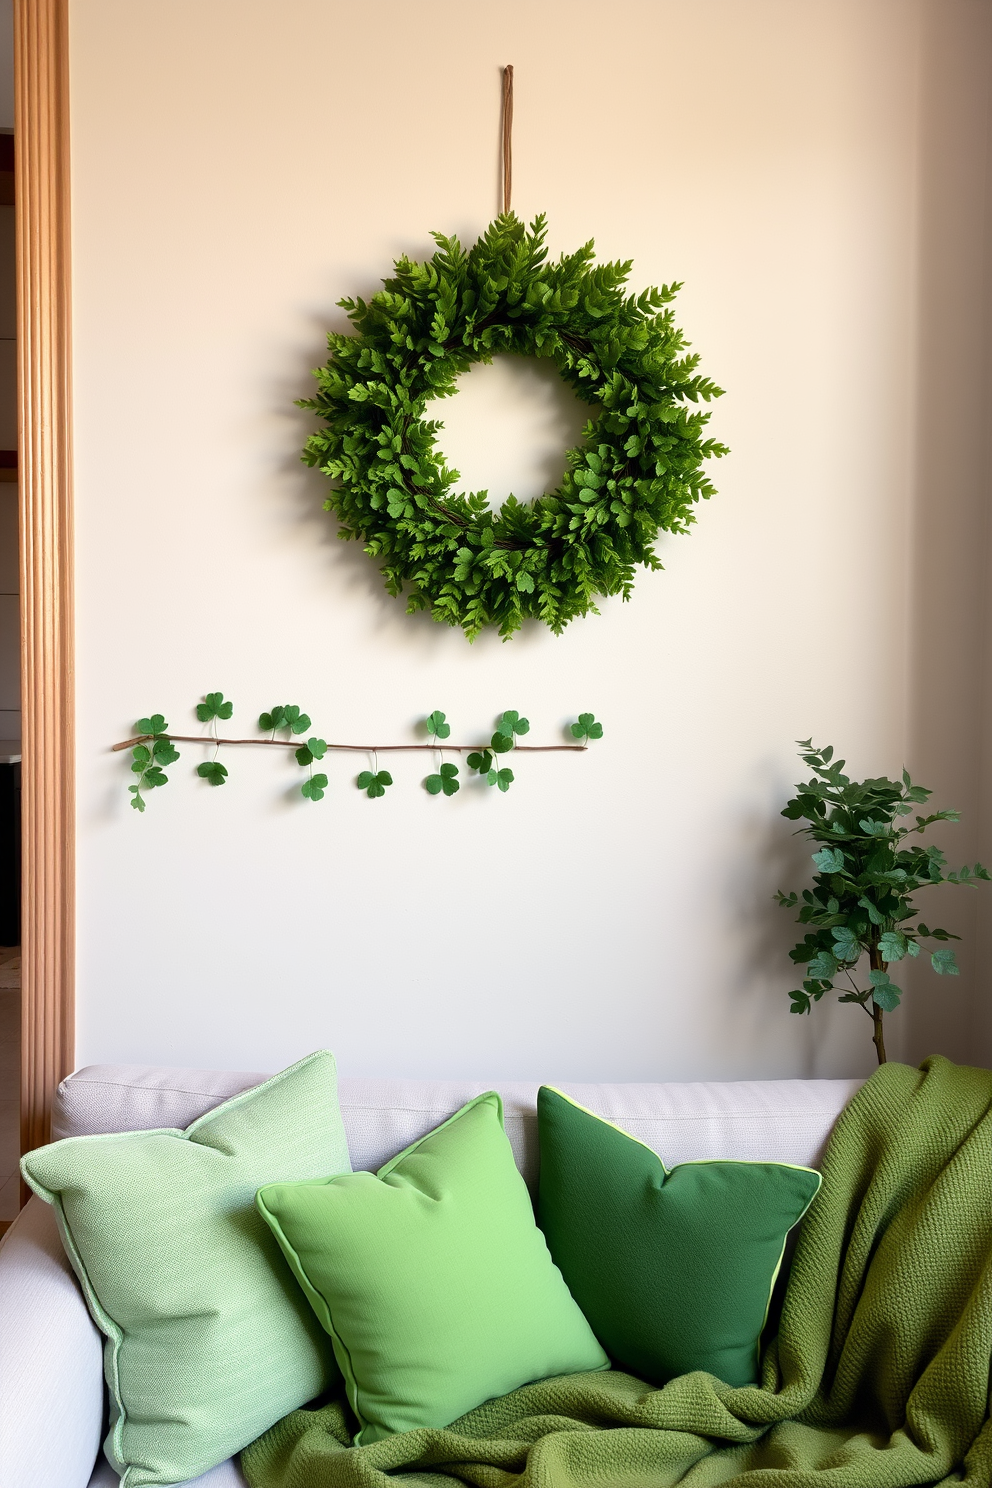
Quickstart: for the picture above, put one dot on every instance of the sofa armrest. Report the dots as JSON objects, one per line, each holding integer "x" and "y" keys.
{"x": 51, "y": 1360}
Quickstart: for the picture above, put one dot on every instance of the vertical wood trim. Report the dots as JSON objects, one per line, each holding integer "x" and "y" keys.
{"x": 41, "y": 136}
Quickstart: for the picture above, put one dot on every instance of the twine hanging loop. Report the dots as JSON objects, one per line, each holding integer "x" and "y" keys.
{"x": 507, "y": 136}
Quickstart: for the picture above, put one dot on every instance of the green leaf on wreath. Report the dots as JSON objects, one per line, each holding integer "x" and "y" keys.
{"x": 314, "y": 788}
{"x": 637, "y": 471}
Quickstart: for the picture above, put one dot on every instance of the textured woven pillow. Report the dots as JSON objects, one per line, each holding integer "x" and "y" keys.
{"x": 674, "y": 1270}
{"x": 209, "y": 1339}
{"x": 431, "y": 1277}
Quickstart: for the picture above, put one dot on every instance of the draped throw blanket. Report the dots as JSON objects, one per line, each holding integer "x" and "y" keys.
{"x": 878, "y": 1376}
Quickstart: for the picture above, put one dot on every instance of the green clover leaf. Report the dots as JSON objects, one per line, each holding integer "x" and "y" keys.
{"x": 287, "y": 715}
{"x": 164, "y": 752}
{"x": 481, "y": 761}
{"x": 156, "y": 724}
{"x": 314, "y": 788}
{"x": 374, "y": 785}
{"x": 154, "y": 776}
{"x": 502, "y": 778}
{"x": 511, "y": 723}
{"x": 587, "y": 727}
{"x": 437, "y": 726}
{"x": 213, "y": 771}
{"x": 213, "y": 706}
{"x": 294, "y": 720}
{"x": 443, "y": 781}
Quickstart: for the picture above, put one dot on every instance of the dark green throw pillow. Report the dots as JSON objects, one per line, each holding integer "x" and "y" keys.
{"x": 674, "y": 1270}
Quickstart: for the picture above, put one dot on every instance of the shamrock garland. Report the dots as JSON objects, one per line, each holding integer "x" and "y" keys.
{"x": 154, "y": 747}
{"x": 638, "y": 470}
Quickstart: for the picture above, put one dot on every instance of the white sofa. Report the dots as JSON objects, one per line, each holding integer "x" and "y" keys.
{"x": 52, "y": 1405}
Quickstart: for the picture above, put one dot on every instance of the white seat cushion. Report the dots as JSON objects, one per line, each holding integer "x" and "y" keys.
{"x": 225, "y": 1475}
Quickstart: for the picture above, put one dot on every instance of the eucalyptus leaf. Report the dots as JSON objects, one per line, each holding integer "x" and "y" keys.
{"x": 870, "y": 864}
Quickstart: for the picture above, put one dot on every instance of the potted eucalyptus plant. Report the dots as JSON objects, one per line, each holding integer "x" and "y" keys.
{"x": 860, "y": 910}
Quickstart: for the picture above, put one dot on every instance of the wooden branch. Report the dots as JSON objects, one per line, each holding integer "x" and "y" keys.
{"x": 300, "y": 742}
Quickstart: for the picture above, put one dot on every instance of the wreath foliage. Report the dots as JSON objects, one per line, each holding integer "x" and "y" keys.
{"x": 637, "y": 471}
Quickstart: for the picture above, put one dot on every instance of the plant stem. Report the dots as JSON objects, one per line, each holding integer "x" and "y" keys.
{"x": 878, "y": 1037}
{"x": 356, "y": 748}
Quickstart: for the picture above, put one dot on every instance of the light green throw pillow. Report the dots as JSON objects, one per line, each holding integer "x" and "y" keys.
{"x": 432, "y": 1277}
{"x": 209, "y": 1339}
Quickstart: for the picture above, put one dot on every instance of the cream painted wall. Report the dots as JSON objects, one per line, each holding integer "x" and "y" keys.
{"x": 239, "y": 166}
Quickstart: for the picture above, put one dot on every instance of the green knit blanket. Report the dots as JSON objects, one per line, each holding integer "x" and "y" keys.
{"x": 878, "y": 1377}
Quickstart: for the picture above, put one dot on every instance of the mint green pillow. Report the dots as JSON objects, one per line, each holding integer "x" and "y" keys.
{"x": 209, "y": 1339}
{"x": 431, "y": 1277}
{"x": 674, "y": 1270}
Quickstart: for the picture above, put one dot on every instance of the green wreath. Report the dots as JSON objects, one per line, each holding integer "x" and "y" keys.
{"x": 638, "y": 469}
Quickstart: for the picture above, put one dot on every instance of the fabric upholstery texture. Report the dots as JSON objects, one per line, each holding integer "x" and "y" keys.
{"x": 787, "y": 1120}
{"x": 51, "y": 1376}
{"x": 431, "y": 1277}
{"x": 227, "y": 1474}
{"x": 773, "y": 1120}
{"x": 673, "y": 1268}
{"x": 878, "y": 1376}
{"x": 208, "y": 1337}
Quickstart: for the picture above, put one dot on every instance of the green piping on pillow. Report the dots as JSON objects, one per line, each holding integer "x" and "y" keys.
{"x": 674, "y": 1269}
{"x": 431, "y": 1277}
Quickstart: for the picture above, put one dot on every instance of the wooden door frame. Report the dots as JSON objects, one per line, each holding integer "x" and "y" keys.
{"x": 41, "y": 137}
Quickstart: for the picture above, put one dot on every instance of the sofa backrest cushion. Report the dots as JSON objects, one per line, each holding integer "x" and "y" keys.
{"x": 759, "y": 1120}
